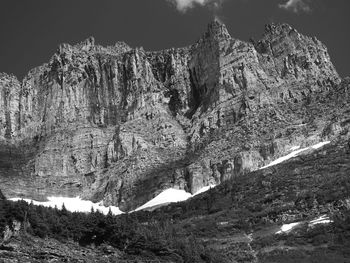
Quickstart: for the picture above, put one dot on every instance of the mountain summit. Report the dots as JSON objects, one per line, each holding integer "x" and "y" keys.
{"x": 217, "y": 29}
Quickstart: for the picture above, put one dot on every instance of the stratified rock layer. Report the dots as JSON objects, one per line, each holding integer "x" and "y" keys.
{"x": 120, "y": 124}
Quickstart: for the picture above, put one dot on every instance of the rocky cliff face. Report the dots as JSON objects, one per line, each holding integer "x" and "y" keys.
{"x": 2, "y": 197}
{"x": 119, "y": 124}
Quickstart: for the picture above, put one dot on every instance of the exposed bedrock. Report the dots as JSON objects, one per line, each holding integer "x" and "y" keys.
{"x": 120, "y": 125}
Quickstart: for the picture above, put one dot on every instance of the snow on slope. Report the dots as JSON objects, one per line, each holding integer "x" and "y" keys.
{"x": 204, "y": 189}
{"x": 286, "y": 228}
{"x": 321, "y": 220}
{"x": 295, "y": 153}
{"x": 171, "y": 196}
{"x": 73, "y": 204}
{"x": 319, "y": 145}
{"x": 168, "y": 196}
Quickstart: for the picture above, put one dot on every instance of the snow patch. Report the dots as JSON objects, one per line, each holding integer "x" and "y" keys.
{"x": 319, "y": 145}
{"x": 287, "y": 227}
{"x": 324, "y": 219}
{"x": 204, "y": 189}
{"x": 321, "y": 220}
{"x": 172, "y": 196}
{"x": 168, "y": 196}
{"x": 295, "y": 153}
{"x": 284, "y": 158}
{"x": 73, "y": 204}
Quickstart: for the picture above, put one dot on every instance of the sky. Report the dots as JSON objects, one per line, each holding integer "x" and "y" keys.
{"x": 31, "y": 30}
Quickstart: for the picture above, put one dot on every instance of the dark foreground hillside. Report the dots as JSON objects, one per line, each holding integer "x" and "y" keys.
{"x": 234, "y": 222}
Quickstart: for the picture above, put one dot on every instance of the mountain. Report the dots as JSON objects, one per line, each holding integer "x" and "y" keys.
{"x": 120, "y": 125}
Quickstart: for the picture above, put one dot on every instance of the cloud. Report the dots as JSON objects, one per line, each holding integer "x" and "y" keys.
{"x": 184, "y": 5}
{"x": 296, "y": 6}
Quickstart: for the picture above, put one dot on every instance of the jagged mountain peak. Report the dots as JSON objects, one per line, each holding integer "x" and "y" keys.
{"x": 8, "y": 81}
{"x": 89, "y": 46}
{"x": 4, "y": 75}
{"x": 277, "y": 28}
{"x": 286, "y": 31}
{"x": 217, "y": 29}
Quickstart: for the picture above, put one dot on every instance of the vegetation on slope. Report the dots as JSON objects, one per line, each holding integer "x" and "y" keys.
{"x": 126, "y": 232}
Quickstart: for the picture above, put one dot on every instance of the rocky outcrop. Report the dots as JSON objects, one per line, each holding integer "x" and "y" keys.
{"x": 9, "y": 106}
{"x": 120, "y": 125}
{"x": 10, "y": 232}
{"x": 2, "y": 197}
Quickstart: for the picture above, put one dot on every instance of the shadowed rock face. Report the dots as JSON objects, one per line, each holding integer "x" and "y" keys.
{"x": 119, "y": 124}
{"x": 2, "y": 197}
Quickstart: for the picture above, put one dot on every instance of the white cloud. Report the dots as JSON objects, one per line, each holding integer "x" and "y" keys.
{"x": 296, "y": 6}
{"x": 184, "y": 5}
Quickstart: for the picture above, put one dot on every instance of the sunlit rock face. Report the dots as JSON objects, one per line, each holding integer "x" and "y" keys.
{"x": 120, "y": 125}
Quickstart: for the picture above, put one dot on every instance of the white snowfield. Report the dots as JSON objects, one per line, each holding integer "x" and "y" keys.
{"x": 321, "y": 220}
{"x": 296, "y": 150}
{"x": 324, "y": 219}
{"x": 287, "y": 227}
{"x": 204, "y": 189}
{"x": 171, "y": 196}
{"x": 167, "y": 196}
{"x": 73, "y": 204}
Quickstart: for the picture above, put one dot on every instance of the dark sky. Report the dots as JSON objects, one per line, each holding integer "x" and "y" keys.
{"x": 31, "y": 30}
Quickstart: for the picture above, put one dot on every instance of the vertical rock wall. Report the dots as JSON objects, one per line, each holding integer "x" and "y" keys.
{"x": 120, "y": 124}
